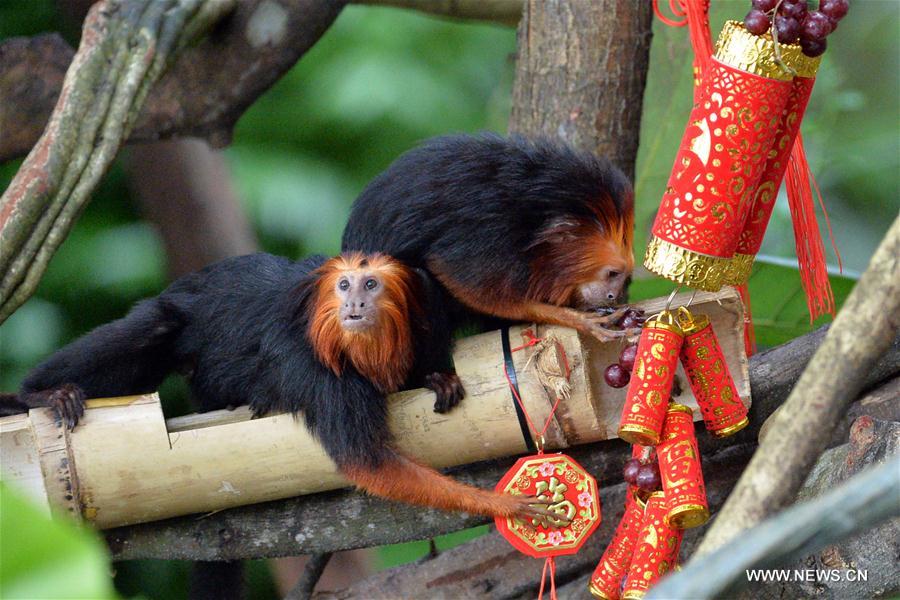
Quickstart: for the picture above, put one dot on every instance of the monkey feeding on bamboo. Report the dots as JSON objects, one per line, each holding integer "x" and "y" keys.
{"x": 325, "y": 337}
{"x": 511, "y": 228}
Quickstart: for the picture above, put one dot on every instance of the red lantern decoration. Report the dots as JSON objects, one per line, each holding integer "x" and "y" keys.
{"x": 656, "y": 552}
{"x": 565, "y": 488}
{"x": 606, "y": 580}
{"x": 709, "y": 377}
{"x": 679, "y": 467}
{"x": 720, "y": 161}
{"x": 651, "y": 381}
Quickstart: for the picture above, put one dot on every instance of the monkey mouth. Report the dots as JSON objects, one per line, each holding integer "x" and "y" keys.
{"x": 356, "y": 322}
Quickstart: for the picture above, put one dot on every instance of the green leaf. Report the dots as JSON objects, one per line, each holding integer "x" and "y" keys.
{"x": 42, "y": 557}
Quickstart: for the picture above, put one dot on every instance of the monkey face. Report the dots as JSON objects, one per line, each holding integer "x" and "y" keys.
{"x": 358, "y": 292}
{"x": 609, "y": 286}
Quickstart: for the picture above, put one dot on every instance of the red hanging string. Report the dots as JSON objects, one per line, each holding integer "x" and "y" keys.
{"x": 810, "y": 249}
{"x": 749, "y": 332}
{"x": 551, "y": 564}
{"x": 694, "y": 14}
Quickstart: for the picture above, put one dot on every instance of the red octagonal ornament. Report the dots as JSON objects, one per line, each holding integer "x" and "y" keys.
{"x": 562, "y": 486}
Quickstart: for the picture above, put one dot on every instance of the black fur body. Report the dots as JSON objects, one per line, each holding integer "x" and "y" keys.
{"x": 474, "y": 205}
{"x": 237, "y": 330}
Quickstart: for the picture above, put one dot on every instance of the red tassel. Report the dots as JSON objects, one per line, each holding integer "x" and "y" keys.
{"x": 810, "y": 249}
{"x": 749, "y": 332}
{"x": 549, "y": 562}
{"x": 694, "y": 14}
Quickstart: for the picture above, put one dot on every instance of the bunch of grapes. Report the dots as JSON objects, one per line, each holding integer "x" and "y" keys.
{"x": 644, "y": 474}
{"x": 619, "y": 374}
{"x": 793, "y": 20}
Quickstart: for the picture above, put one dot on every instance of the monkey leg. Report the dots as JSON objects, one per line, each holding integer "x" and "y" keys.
{"x": 401, "y": 478}
{"x": 448, "y": 388}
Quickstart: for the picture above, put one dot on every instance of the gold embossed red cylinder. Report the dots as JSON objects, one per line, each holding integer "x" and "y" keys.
{"x": 719, "y": 162}
{"x": 707, "y": 371}
{"x": 606, "y": 581}
{"x": 651, "y": 381}
{"x": 680, "y": 470}
{"x": 763, "y": 202}
{"x": 656, "y": 552}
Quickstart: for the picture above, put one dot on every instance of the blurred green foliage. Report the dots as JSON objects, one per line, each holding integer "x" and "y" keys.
{"x": 42, "y": 557}
{"x": 382, "y": 80}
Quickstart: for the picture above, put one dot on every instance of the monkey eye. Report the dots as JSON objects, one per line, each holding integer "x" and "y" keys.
{"x": 614, "y": 274}
{"x": 371, "y": 284}
{"x": 344, "y": 285}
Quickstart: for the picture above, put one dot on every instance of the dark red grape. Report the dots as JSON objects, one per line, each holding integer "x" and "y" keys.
{"x": 630, "y": 322}
{"x": 796, "y": 10}
{"x": 616, "y": 376}
{"x": 627, "y": 357}
{"x": 787, "y": 29}
{"x": 764, "y": 5}
{"x": 648, "y": 478}
{"x": 816, "y": 26}
{"x": 630, "y": 471}
{"x": 813, "y": 47}
{"x": 757, "y": 22}
{"x": 834, "y": 9}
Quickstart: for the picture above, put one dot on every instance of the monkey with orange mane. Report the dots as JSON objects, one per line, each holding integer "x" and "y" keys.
{"x": 511, "y": 228}
{"x": 328, "y": 338}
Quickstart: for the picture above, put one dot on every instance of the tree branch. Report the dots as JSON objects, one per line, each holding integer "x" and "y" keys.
{"x": 202, "y": 95}
{"x": 353, "y": 520}
{"x": 125, "y": 47}
{"x": 865, "y": 327}
{"x": 506, "y": 12}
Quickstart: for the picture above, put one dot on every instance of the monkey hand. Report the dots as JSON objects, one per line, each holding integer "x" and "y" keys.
{"x": 534, "y": 511}
{"x": 598, "y": 325}
{"x": 448, "y": 388}
{"x": 66, "y": 399}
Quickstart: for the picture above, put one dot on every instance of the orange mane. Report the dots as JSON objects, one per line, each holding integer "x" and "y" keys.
{"x": 570, "y": 251}
{"x": 384, "y": 354}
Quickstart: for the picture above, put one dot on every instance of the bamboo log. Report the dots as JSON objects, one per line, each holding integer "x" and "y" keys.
{"x": 126, "y": 464}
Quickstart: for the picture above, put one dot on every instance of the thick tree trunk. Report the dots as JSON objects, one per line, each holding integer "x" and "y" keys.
{"x": 580, "y": 74}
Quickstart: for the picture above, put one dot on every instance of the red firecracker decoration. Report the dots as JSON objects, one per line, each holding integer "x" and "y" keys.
{"x": 682, "y": 475}
{"x": 776, "y": 164}
{"x": 709, "y": 377}
{"x": 720, "y": 161}
{"x": 656, "y": 552}
{"x": 606, "y": 582}
{"x": 651, "y": 380}
{"x": 561, "y": 486}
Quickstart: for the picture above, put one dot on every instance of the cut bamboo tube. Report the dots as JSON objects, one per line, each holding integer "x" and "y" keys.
{"x": 125, "y": 463}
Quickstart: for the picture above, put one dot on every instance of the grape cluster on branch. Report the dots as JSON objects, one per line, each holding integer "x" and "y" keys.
{"x": 792, "y": 20}
{"x": 618, "y": 375}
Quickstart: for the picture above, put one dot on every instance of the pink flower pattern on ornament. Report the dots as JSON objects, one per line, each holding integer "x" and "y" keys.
{"x": 547, "y": 469}
{"x": 555, "y": 538}
{"x": 585, "y": 499}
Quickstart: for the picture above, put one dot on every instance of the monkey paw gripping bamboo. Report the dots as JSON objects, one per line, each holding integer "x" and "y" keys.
{"x": 125, "y": 463}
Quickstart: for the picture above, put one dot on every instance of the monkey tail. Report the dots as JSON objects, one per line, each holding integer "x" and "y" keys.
{"x": 400, "y": 478}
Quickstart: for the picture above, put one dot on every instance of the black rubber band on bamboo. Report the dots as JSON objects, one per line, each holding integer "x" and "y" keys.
{"x": 511, "y": 371}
